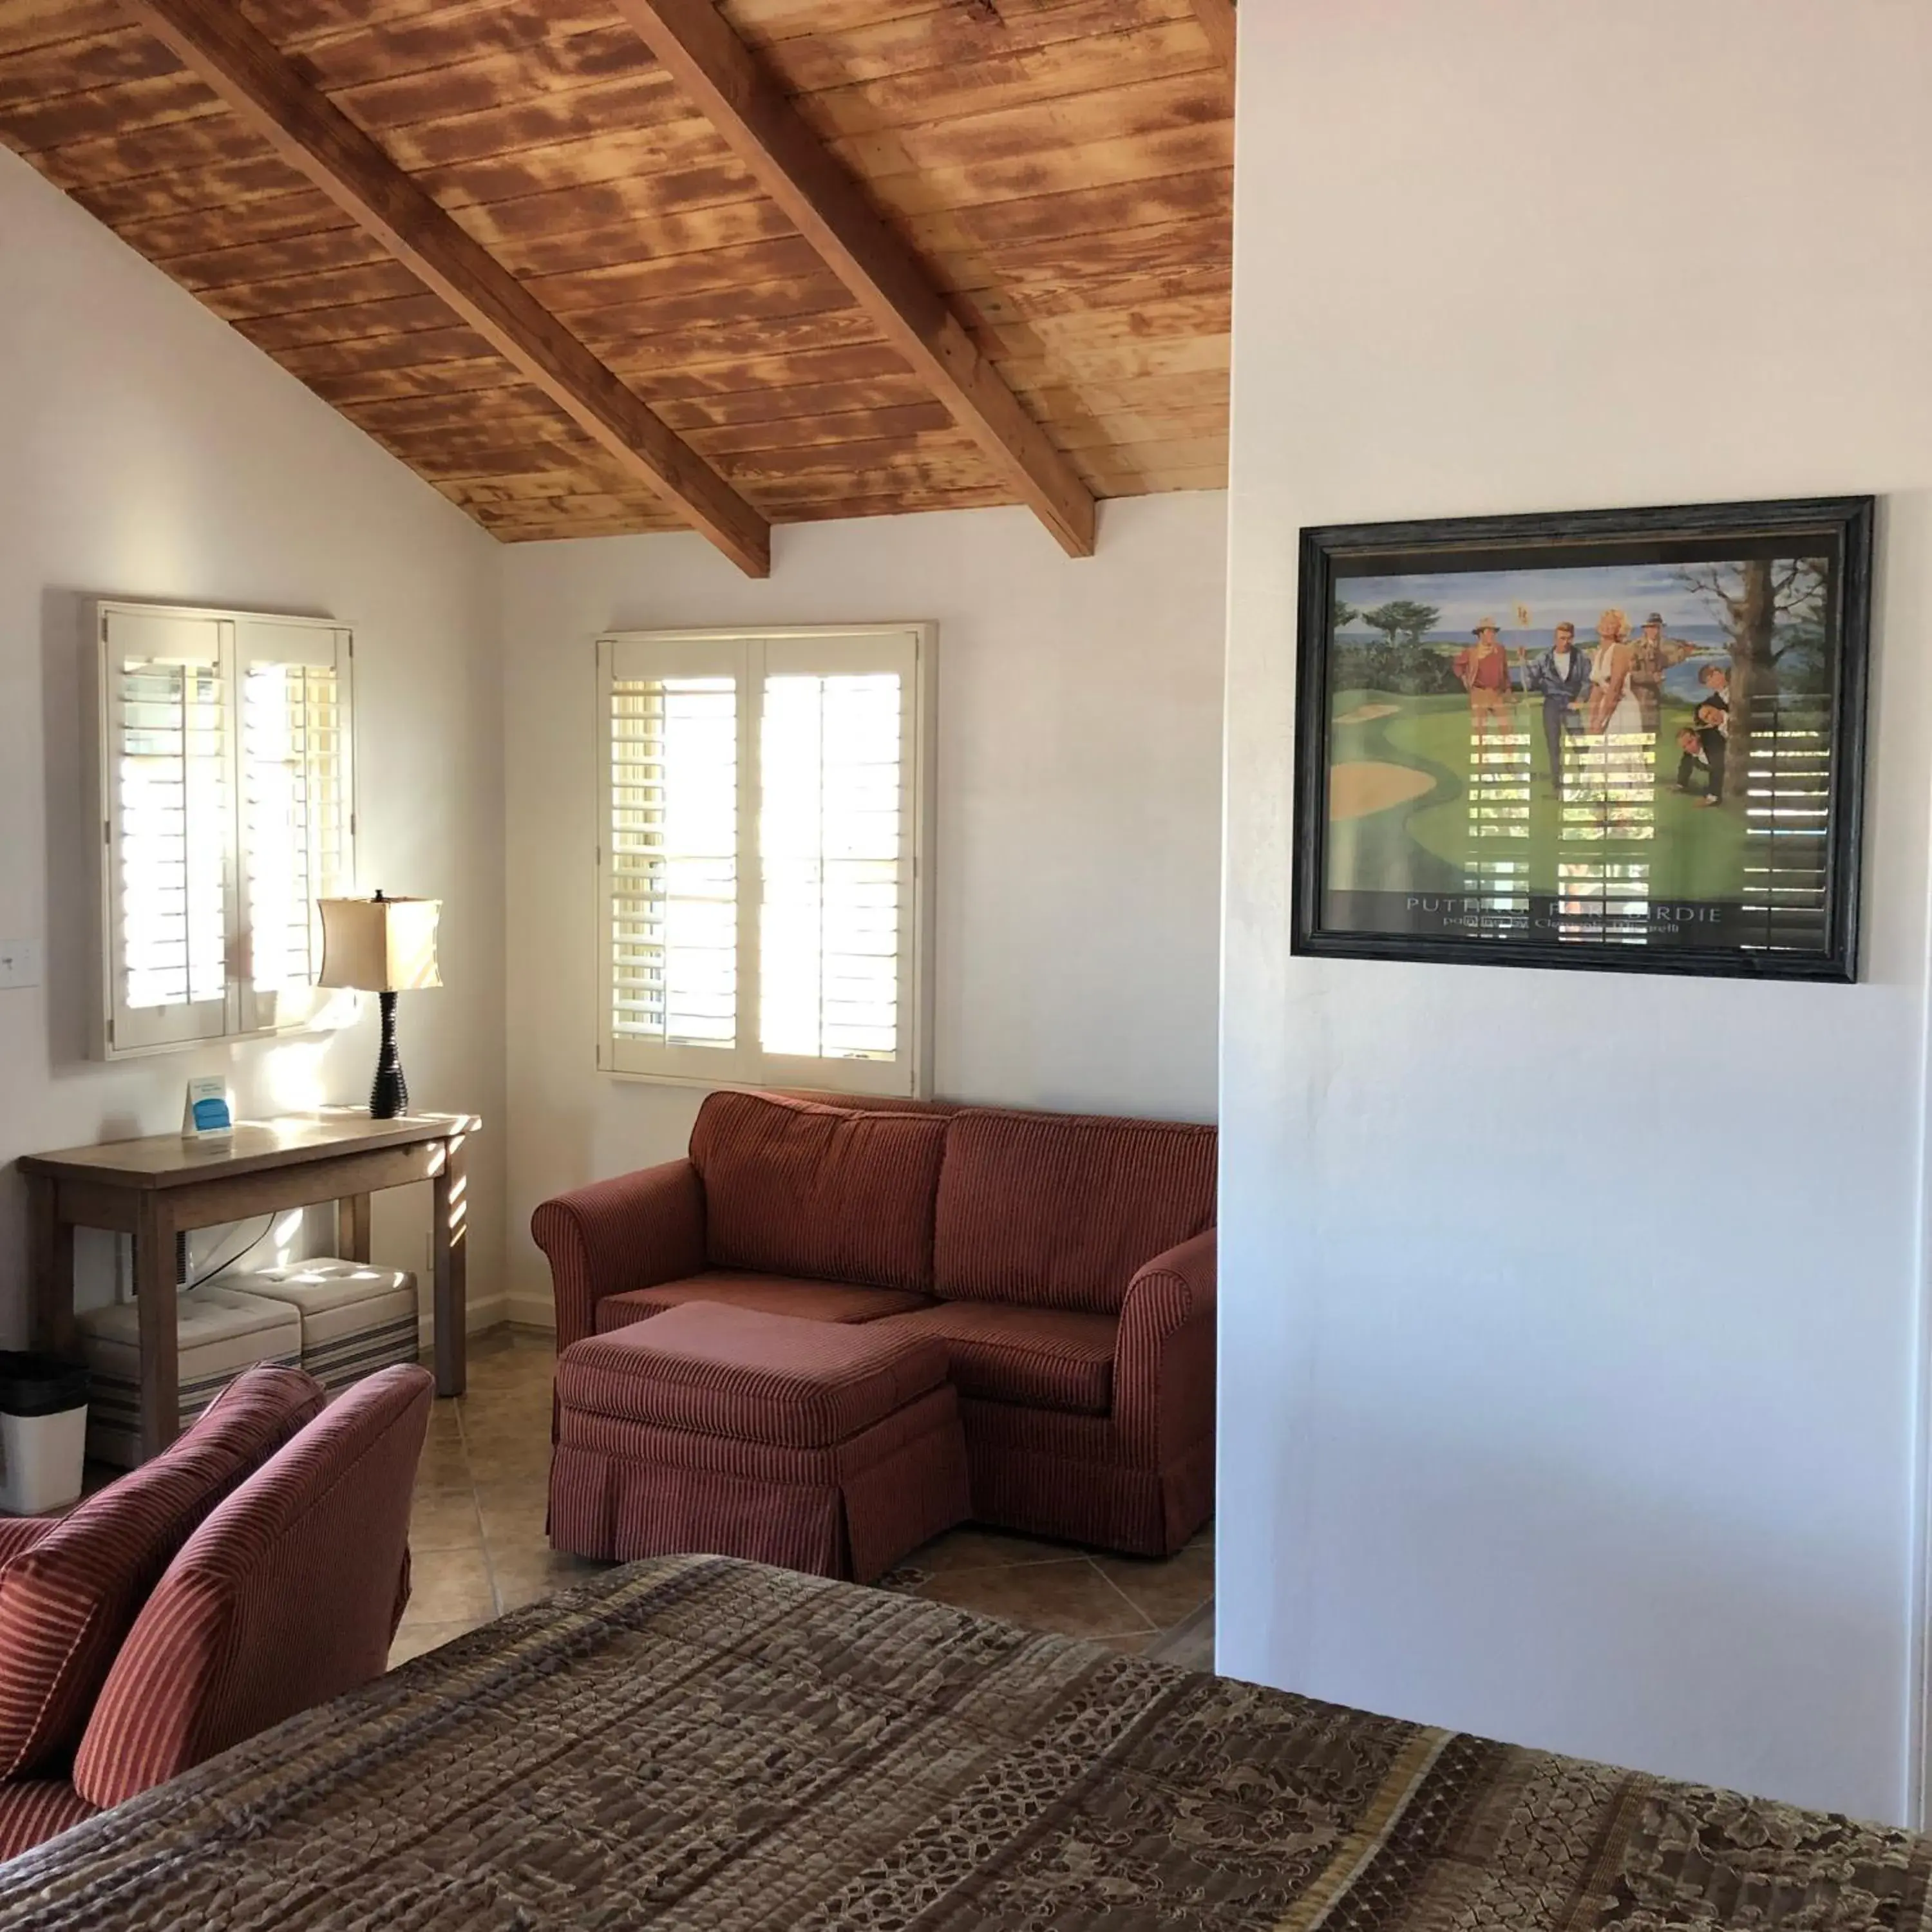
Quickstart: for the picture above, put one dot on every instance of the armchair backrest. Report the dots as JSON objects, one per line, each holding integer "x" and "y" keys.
{"x": 68, "y": 1597}
{"x": 286, "y": 1596}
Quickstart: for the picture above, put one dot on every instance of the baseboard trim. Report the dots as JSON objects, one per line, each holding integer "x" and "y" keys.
{"x": 530, "y": 1311}
{"x": 477, "y": 1315}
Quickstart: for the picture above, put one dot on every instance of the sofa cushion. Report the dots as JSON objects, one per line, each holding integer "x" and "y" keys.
{"x": 1059, "y": 1211}
{"x": 1046, "y": 1357}
{"x": 33, "y": 1810}
{"x": 791, "y": 1187}
{"x": 775, "y": 1293}
{"x": 67, "y": 1603}
{"x": 758, "y": 1377}
{"x": 22, "y": 1532}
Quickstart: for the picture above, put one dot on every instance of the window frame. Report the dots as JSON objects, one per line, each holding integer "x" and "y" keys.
{"x": 117, "y": 1034}
{"x": 704, "y": 653}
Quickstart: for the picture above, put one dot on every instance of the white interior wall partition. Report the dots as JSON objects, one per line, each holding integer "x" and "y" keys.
{"x": 1571, "y": 1323}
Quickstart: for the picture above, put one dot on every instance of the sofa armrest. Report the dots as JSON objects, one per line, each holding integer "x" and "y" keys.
{"x": 1164, "y": 1358}
{"x": 633, "y": 1231}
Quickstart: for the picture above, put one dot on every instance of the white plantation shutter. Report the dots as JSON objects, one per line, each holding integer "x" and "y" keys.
{"x": 759, "y": 858}
{"x": 167, "y": 752}
{"x": 837, "y": 763}
{"x": 294, "y": 801}
{"x": 226, "y": 810}
{"x": 670, "y": 855}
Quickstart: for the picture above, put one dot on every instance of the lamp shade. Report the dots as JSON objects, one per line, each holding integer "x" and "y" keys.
{"x": 380, "y": 945}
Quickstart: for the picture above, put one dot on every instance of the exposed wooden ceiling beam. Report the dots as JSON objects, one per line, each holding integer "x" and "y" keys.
{"x": 1217, "y": 21}
{"x": 701, "y": 51}
{"x": 254, "y": 79}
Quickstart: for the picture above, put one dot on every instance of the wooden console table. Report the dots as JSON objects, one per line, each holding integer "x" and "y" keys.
{"x": 156, "y": 1188}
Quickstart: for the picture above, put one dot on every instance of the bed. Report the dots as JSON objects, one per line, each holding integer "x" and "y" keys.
{"x": 697, "y": 1743}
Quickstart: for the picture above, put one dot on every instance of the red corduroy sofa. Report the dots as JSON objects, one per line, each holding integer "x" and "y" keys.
{"x": 1065, "y": 1262}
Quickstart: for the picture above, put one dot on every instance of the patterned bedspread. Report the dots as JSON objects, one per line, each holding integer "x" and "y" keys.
{"x": 702, "y": 1744}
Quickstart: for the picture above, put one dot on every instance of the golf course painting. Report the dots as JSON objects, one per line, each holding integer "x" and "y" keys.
{"x": 1627, "y": 740}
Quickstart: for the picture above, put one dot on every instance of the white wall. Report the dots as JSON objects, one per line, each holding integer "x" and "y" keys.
{"x": 1078, "y": 827}
{"x": 149, "y": 452}
{"x": 1622, "y": 1464}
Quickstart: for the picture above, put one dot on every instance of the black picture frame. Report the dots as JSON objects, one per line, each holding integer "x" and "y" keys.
{"x": 1787, "y": 931}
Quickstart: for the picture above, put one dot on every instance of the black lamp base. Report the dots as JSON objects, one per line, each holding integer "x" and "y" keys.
{"x": 389, "y": 1094}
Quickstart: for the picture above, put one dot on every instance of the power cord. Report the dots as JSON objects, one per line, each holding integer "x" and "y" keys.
{"x": 228, "y": 1261}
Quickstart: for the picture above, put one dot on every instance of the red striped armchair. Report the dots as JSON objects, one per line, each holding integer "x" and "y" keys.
{"x": 71, "y": 1588}
{"x": 290, "y": 1572}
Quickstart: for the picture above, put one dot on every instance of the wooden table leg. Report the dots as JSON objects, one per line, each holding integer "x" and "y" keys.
{"x": 154, "y": 1287}
{"x": 49, "y": 1270}
{"x": 450, "y": 1243}
{"x": 352, "y": 1228}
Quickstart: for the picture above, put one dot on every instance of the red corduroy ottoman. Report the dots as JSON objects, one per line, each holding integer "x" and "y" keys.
{"x": 818, "y": 1445}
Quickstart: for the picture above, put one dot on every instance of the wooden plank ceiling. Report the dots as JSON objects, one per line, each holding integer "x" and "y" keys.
{"x": 1060, "y": 170}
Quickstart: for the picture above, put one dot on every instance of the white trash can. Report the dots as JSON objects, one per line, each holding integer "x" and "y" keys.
{"x": 43, "y": 1432}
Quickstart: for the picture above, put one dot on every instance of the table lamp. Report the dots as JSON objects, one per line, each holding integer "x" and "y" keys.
{"x": 383, "y": 946}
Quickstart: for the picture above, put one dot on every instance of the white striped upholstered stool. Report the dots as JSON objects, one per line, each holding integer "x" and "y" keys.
{"x": 355, "y": 1319}
{"x": 219, "y": 1333}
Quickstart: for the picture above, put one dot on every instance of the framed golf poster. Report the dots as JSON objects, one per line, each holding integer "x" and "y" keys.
{"x": 1630, "y": 739}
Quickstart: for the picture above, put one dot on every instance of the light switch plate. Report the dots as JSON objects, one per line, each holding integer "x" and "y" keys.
{"x": 19, "y": 962}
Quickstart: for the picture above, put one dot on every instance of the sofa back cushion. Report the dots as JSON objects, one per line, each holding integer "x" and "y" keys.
{"x": 68, "y": 1600}
{"x": 1060, "y": 1210}
{"x": 795, "y": 1187}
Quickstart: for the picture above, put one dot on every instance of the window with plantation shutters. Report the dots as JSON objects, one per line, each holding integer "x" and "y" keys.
{"x": 759, "y": 857}
{"x": 226, "y": 812}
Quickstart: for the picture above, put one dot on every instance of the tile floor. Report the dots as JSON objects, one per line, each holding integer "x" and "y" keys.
{"x": 477, "y": 1540}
